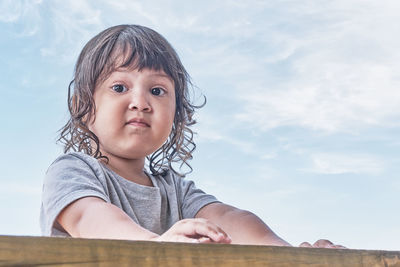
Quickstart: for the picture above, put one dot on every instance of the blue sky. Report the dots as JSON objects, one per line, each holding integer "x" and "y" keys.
{"x": 302, "y": 121}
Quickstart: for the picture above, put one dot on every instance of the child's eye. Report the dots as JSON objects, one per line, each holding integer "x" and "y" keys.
{"x": 157, "y": 91}
{"x": 119, "y": 88}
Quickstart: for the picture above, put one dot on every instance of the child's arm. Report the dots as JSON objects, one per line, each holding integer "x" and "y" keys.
{"x": 242, "y": 226}
{"x": 92, "y": 217}
{"x": 246, "y": 228}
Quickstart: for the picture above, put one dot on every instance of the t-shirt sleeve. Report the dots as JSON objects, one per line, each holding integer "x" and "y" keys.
{"x": 69, "y": 178}
{"x": 192, "y": 198}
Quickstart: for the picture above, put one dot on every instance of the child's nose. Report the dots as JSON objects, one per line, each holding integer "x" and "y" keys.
{"x": 139, "y": 102}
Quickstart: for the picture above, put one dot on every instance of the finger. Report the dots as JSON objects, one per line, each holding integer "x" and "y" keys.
{"x": 205, "y": 240}
{"x": 323, "y": 243}
{"x": 186, "y": 239}
{"x": 213, "y": 232}
{"x": 202, "y": 227}
{"x": 305, "y": 245}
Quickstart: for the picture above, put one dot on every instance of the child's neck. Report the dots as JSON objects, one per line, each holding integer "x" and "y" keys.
{"x": 130, "y": 169}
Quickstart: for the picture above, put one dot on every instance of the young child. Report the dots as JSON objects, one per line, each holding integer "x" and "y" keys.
{"x": 130, "y": 105}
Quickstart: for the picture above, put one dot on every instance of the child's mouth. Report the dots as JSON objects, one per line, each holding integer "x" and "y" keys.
{"x": 138, "y": 122}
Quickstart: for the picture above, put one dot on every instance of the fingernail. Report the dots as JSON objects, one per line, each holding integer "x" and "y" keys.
{"x": 227, "y": 238}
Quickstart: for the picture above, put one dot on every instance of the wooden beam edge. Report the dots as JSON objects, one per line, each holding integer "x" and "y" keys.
{"x": 28, "y": 250}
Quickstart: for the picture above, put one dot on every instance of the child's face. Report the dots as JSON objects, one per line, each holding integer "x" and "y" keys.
{"x": 134, "y": 112}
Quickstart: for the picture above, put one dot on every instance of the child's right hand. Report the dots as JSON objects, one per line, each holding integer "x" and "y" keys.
{"x": 321, "y": 243}
{"x": 194, "y": 231}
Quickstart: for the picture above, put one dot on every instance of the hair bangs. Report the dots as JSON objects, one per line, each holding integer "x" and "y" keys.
{"x": 131, "y": 53}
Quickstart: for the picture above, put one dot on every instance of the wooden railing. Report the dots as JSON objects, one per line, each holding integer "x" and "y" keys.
{"x": 45, "y": 251}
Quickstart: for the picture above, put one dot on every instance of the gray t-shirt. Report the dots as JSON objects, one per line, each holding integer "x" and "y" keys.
{"x": 76, "y": 175}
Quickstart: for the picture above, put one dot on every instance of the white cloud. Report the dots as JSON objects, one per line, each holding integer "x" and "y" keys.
{"x": 209, "y": 130}
{"x": 336, "y": 163}
{"x": 10, "y": 10}
{"x": 21, "y": 12}
{"x": 339, "y": 76}
{"x": 137, "y": 11}
{"x": 342, "y": 97}
{"x": 69, "y": 31}
{"x": 246, "y": 147}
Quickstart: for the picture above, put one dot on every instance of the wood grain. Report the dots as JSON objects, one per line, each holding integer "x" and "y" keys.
{"x": 46, "y": 251}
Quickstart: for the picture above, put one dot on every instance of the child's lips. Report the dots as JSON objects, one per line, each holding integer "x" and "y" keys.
{"x": 138, "y": 122}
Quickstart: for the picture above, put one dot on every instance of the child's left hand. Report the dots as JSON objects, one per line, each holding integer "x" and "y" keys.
{"x": 322, "y": 243}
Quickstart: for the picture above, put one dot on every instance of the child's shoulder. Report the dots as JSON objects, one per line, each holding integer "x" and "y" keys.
{"x": 74, "y": 167}
{"x": 80, "y": 156}
{"x": 74, "y": 160}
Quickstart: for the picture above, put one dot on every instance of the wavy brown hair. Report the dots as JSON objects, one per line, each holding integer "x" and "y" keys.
{"x": 135, "y": 47}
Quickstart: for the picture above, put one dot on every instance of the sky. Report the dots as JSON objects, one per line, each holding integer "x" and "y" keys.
{"x": 301, "y": 125}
